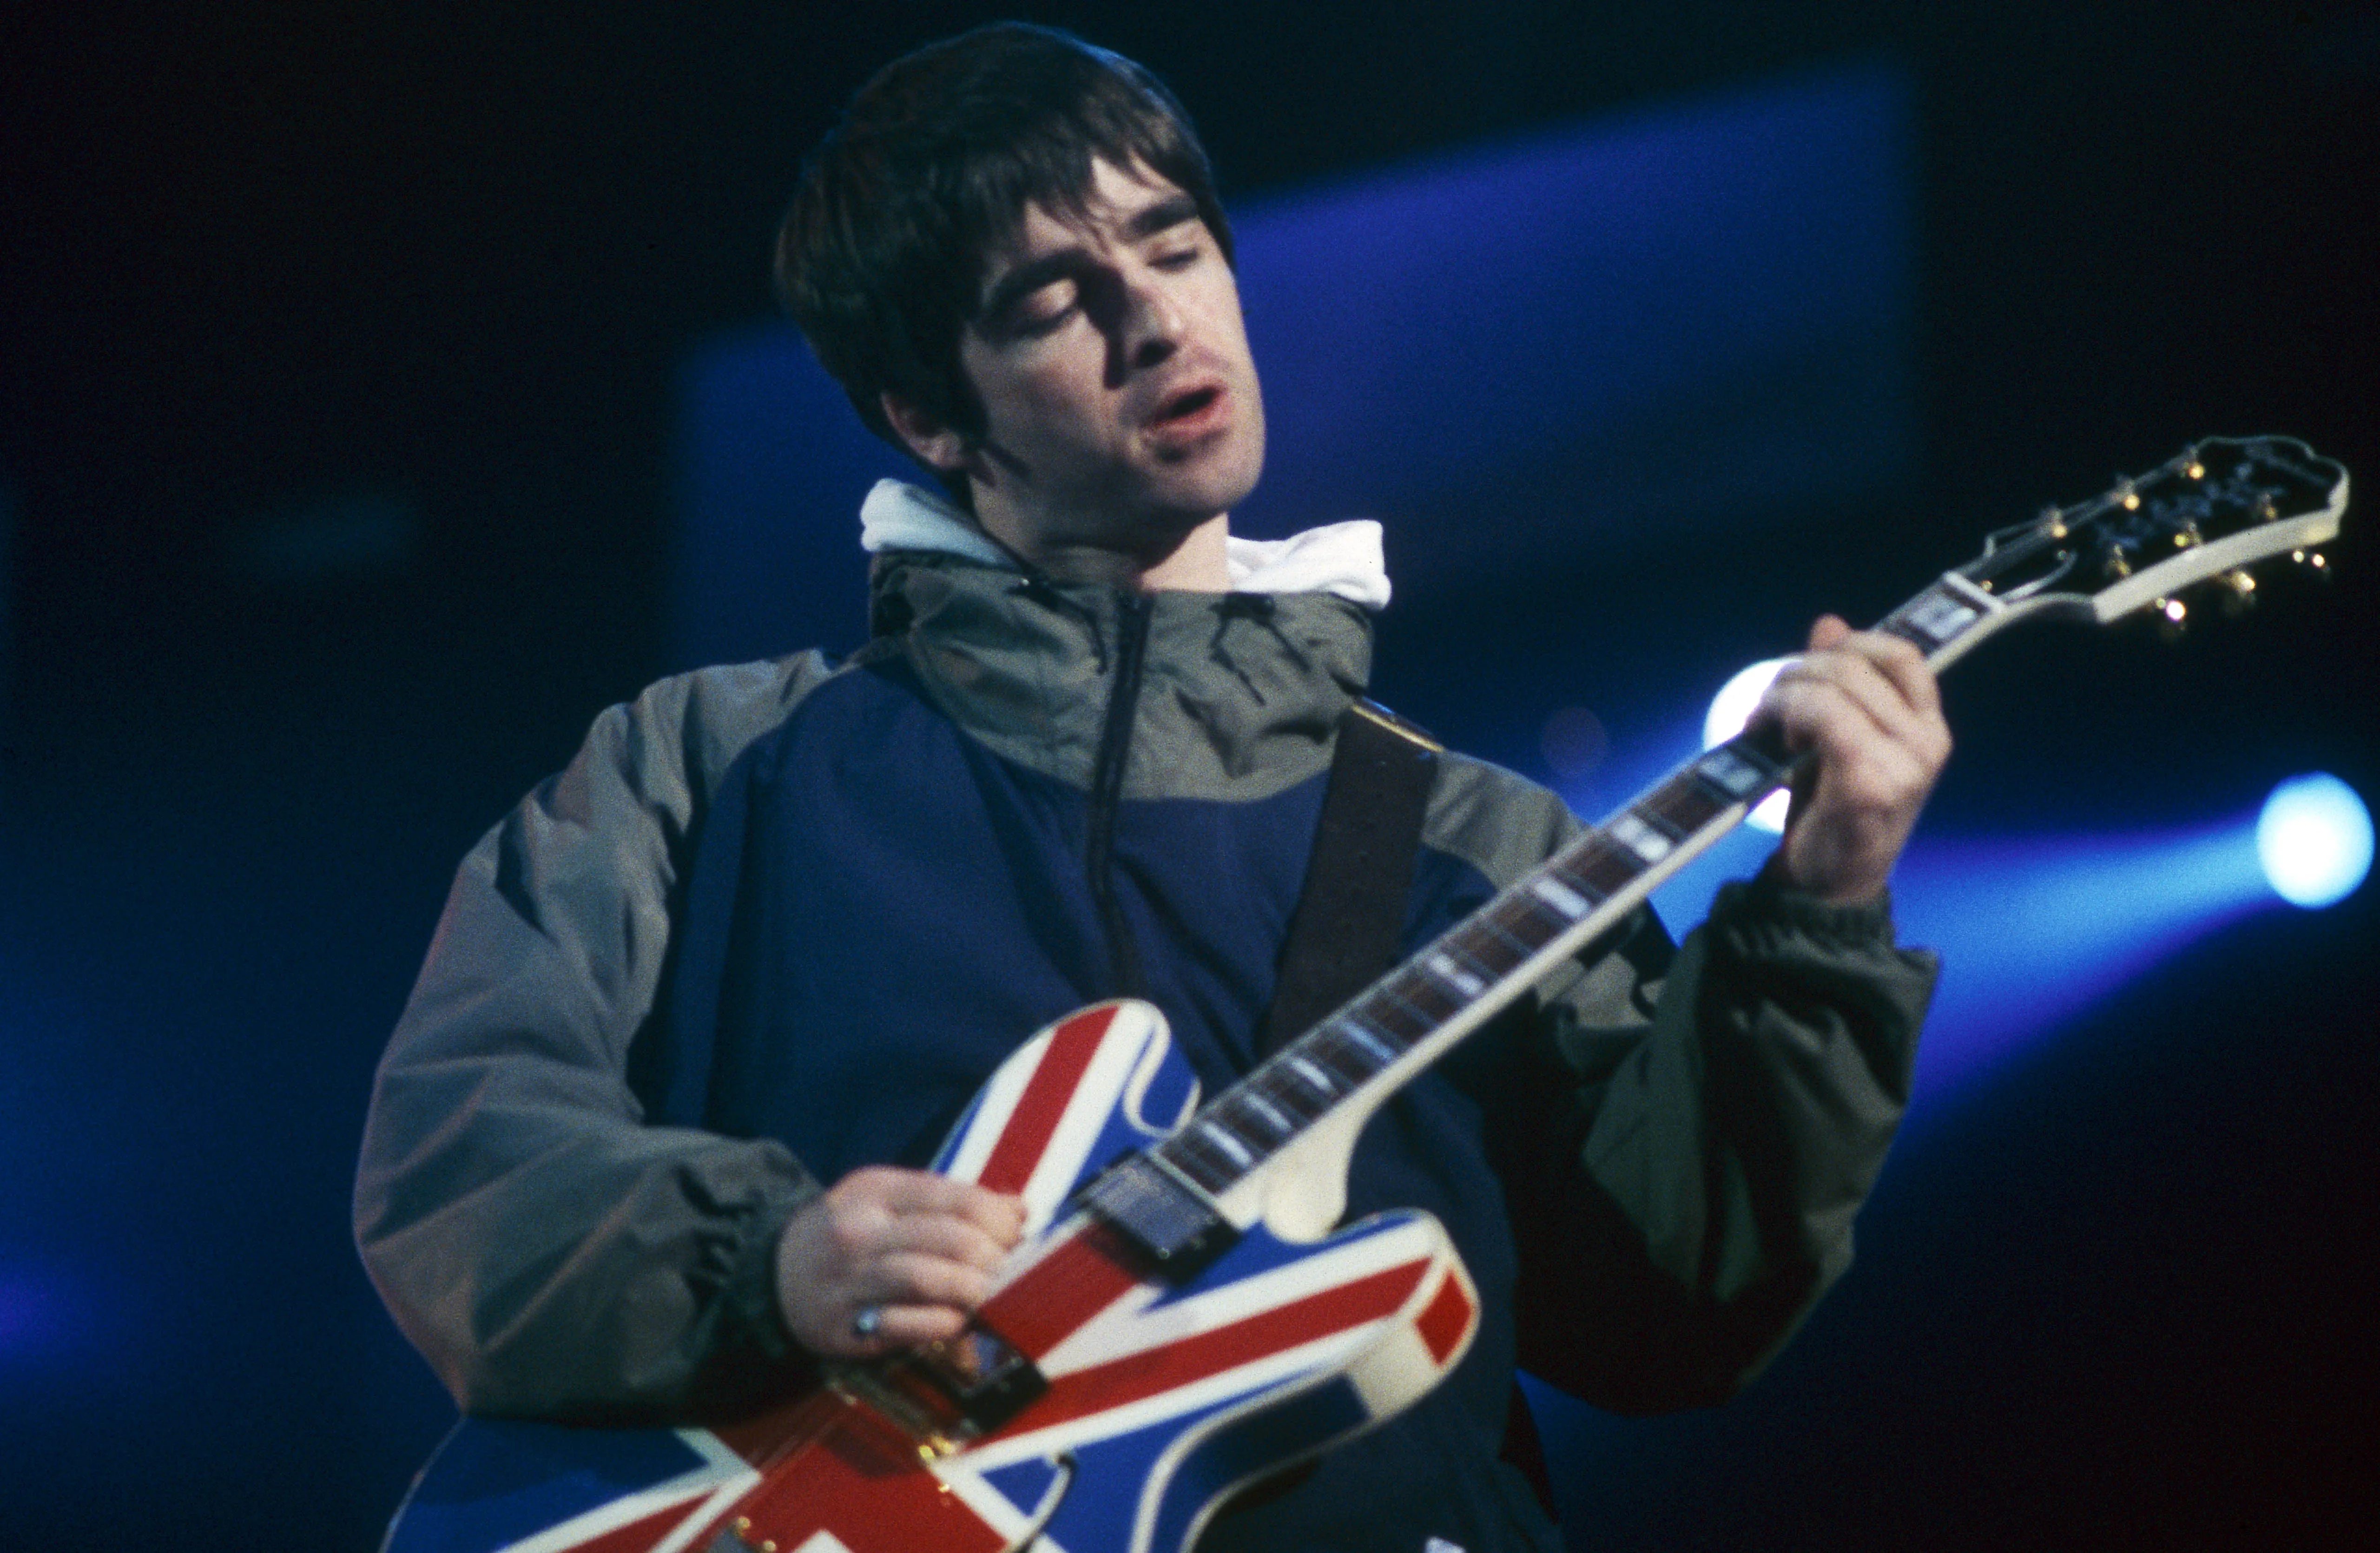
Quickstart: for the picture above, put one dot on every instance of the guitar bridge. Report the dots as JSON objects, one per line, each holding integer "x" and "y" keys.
{"x": 945, "y": 1395}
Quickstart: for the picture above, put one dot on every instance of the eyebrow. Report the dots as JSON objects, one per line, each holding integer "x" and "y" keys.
{"x": 1159, "y": 215}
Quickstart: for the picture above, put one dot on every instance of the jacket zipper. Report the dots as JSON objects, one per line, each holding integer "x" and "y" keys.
{"x": 1133, "y": 614}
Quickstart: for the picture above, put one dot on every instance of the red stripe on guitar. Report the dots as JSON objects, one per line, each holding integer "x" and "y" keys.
{"x": 764, "y": 1437}
{"x": 862, "y": 1482}
{"x": 1198, "y": 1356}
{"x": 1081, "y": 1276}
{"x": 1449, "y": 1317}
{"x": 1043, "y": 1105}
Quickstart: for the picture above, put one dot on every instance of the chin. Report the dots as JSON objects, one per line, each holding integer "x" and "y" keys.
{"x": 1224, "y": 481}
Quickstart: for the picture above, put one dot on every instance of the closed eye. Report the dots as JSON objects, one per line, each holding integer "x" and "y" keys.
{"x": 1044, "y": 310}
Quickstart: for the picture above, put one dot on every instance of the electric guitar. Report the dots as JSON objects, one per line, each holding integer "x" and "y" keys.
{"x": 1183, "y": 1318}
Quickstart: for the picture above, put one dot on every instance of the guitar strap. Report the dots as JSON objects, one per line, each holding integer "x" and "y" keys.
{"x": 1349, "y": 925}
{"x": 1348, "y": 929}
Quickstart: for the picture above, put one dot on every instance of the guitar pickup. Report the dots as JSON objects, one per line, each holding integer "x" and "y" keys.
{"x": 1176, "y": 1229}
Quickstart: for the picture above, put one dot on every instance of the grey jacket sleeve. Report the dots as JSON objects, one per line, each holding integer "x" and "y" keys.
{"x": 1720, "y": 1149}
{"x": 1692, "y": 1130}
{"x": 548, "y": 1252}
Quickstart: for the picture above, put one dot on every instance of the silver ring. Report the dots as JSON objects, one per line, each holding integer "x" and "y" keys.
{"x": 867, "y": 1322}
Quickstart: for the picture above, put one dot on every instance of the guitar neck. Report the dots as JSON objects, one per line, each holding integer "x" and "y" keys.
{"x": 1400, "y": 1024}
{"x": 2171, "y": 521}
{"x": 1405, "y": 1021}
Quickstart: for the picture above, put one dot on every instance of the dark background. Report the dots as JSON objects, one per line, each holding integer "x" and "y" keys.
{"x": 338, "y": 345}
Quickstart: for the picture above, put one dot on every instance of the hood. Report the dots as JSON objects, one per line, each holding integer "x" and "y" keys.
{"x": 1340, "y": 559}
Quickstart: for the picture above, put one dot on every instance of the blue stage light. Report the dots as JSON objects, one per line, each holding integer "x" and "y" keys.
{"x": 1730, "y": 711}
{"x": 2035, "y": 930}
{"x": 2314, "y": 840}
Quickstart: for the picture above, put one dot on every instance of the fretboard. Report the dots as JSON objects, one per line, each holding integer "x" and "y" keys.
{"x": 1408, "y": 1018}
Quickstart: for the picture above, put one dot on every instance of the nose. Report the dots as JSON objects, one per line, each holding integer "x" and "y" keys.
{"x": 1153, "y": 324}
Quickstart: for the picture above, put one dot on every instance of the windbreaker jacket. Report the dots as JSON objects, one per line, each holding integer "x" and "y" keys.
{"x": 781, "y": 919}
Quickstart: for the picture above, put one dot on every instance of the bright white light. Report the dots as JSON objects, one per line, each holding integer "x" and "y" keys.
{"x": 2314, "y": 839}
{"x": 1730, "y": 711}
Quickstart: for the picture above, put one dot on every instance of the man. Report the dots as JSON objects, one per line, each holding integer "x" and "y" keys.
{"x": 778, "y": 922}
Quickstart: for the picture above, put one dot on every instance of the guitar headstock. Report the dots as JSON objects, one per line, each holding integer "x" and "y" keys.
{"x": 2209, "y": 514}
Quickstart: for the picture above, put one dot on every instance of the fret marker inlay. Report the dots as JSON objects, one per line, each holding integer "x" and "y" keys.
{"x": 1560, "y": 896}
{"x": 1223, "y": 1140}
{"x": 1382, "y": 1051}
{"x": 1640, "y": 838}
{"x": 1315, "y": 1079}
{"x": 1731, "y": 775}
{"x": 1469, "y": 985}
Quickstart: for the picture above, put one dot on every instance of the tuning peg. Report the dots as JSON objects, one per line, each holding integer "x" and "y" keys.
{"x": 2188, "y": 537}
{"x": 2115, "y": 566}
{"x": 2239, "y": 591}
{"x": 2170, "y": 616}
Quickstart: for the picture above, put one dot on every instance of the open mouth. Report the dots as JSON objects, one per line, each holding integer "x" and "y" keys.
{"x": 1185, "y": 406}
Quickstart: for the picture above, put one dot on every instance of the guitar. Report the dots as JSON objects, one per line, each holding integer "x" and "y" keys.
{"x": 1183, "y": 1319}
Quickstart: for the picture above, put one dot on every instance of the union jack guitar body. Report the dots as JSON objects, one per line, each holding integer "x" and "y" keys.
{"x": 1156, "y": 1396}
{"x": 1181, "y": 1319}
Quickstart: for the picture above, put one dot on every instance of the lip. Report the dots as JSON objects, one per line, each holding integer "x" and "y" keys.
{"x": 1189, "y": 410}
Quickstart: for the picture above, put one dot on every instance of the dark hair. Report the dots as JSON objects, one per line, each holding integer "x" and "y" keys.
{"x": 881, "y": 259}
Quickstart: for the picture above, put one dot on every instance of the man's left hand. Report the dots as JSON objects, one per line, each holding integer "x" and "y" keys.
{"x": 1865, "y": 705}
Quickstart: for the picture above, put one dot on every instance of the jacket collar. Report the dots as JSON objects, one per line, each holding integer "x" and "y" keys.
{"x": 1340, "y": 559}
{"x": 1239, "y": 692}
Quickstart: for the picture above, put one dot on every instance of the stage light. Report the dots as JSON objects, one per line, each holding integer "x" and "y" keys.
{"x": 1730, "y": 711}
{"x": 2035, "y": 930}
{"x": 2314, "y": 840}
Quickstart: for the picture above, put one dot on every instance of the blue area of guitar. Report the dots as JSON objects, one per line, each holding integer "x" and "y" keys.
{"x": 493, "y": 1482}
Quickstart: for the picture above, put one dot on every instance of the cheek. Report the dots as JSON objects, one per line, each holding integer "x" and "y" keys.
{"x": 1064, "y": 401}
{"x": 1226, "y": 327}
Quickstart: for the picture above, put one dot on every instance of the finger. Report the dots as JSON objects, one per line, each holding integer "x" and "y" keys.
{"x": 921, "y": 1192}
{"x": 1897, "y": 656}
{"x": 962, "y": 1240}
{"x": 913, "y": 1278}
{"x": 1887, "y": 684}
{"x": 1901, "y": 664}
{"x": 1828, "y": 630}
{"x": 1824, "y": 706}
{"x": 1898, "y": 687}
{"x": 1779, "y": 701}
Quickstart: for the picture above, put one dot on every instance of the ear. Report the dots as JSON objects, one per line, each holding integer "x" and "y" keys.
{"x": 936, "y": 445}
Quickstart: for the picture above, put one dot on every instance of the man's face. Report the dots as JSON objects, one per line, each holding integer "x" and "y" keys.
{"x": 1120, "y": 401}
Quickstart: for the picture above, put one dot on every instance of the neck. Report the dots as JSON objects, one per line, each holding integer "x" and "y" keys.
{"x": 1194, "y": 565}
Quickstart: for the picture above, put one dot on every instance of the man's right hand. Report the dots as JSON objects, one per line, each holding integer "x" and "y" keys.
{"x": 918, "y": 1250}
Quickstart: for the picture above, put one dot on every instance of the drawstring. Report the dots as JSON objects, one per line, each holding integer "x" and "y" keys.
{"x": 1132, "y": 611}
